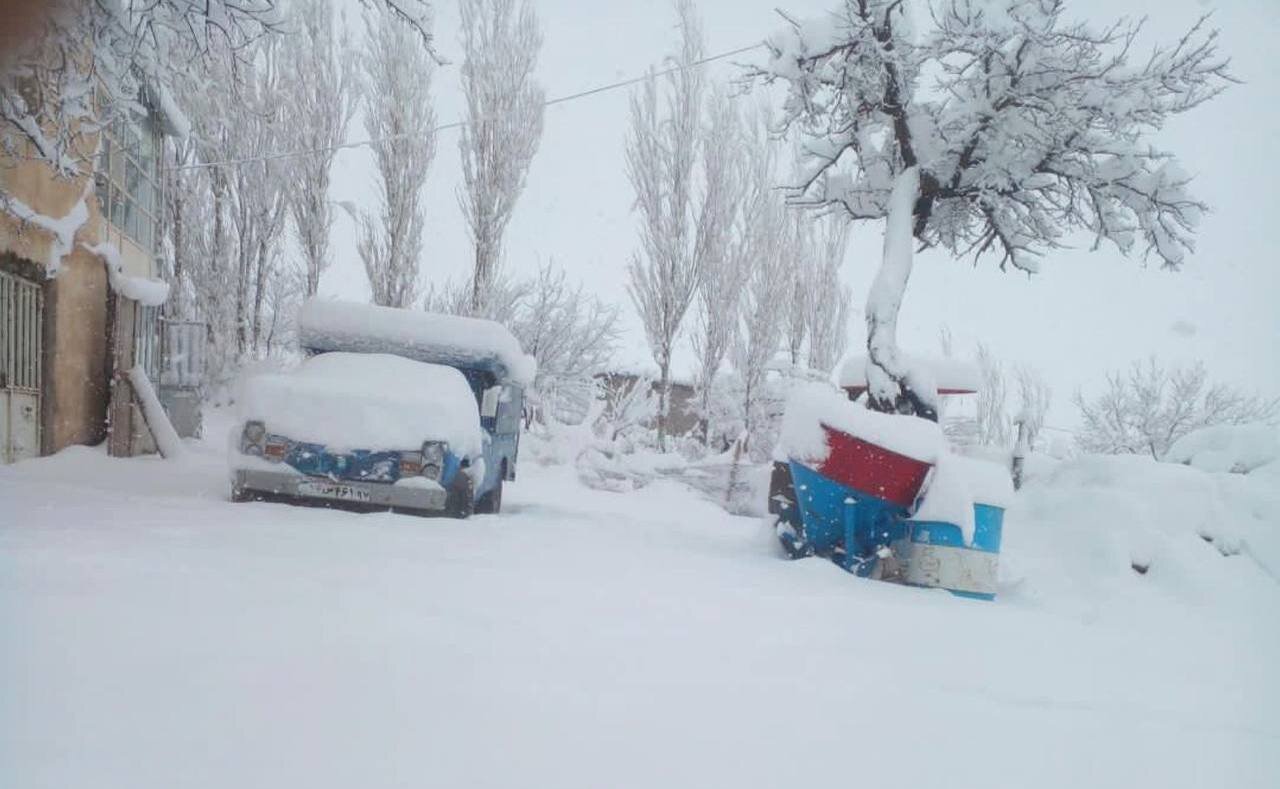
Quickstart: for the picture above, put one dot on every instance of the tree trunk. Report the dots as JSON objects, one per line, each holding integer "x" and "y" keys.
{"x": 889, "y": 388}
{"x": 664, "y": 397}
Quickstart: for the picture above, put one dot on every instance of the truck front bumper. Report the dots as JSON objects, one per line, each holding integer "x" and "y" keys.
{"x": 283, "y": 484}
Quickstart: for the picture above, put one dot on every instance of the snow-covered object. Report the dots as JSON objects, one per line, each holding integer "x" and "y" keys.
{"x": 956, "y": 484}
{"x": 426, "y": 336}
{"x": 811, "y": 406}
{"x": 368, "y": 401}
{"x": 172, "y": 120}
{"x": 162, "y": 431}
{"x": 1236, "y": 448}
{"x": 144, "y": 290}
{"x": 950, "y": 375}
{"x": 63, "y": 229}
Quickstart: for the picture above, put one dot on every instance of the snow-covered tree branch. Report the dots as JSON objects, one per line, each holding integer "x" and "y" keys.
{"x": 998, "y": 130}
{"x": 500, "y": 42}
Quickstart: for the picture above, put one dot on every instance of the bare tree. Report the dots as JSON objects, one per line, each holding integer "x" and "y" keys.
{"x": 831, "y": 302}
{"x": 570, "y": 333}
{"x": 84, "y": 63}
{"x": 504, "y": 124}
{"x": 661, "y": 153}
{"x": 765, "y": 235}
{"x": 980, "y": 130}
{"x": 396, "y": 69}
{"x": 1149, "y": 407}
{"x": 320, "y": 99}
{"x": 1034, "y": 398}
{"x": 992, "y": 426}
{"x": 722, "y": 274}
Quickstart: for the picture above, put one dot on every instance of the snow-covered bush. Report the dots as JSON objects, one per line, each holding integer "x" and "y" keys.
{"x": 1147, "y": 408}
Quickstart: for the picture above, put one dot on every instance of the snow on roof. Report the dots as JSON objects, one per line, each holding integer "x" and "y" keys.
{"x": 953, "y": 376}
{"x": 371, "y": 401}
{"x": 1235, "y": 448}
{"x": 811, "y": 406}
{"x": 425, "y": 336}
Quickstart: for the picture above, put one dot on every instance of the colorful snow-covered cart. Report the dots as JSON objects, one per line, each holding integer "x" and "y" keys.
{"x": 881, "y": 495}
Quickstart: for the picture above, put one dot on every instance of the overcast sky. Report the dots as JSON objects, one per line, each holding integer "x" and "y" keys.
{"x": 1086, "y": 313}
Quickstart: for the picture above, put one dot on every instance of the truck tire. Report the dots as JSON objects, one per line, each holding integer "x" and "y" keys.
{"x": 460, "y": 501}
{"x": 491, "y": 502}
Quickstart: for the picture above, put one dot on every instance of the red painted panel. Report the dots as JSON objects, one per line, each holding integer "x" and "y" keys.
{"x": 872, "y": 469}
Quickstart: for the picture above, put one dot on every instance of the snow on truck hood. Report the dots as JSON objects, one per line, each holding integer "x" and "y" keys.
{"x": 369, "y": 401}
{"x": 415, "y": 334}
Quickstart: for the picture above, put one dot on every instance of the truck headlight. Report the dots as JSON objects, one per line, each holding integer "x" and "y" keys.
{"x": 433, "y": 458}
{"x": 253, "y": 438}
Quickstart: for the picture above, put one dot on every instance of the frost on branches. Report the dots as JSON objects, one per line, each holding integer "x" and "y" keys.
{"x": 87, "y": 62}
{"x": 1001, "y": 128}
{"x": 396, "y": 72}
{"x": 661, "y": 152}
{"x": 504, "y": 125}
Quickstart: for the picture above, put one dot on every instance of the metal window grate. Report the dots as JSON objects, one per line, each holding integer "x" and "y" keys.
{"x": 21, "y": 306}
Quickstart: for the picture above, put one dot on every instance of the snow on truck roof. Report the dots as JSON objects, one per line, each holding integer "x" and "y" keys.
{"x": 369, "y": 401}
{"x": 451, "y": 340}
{"x": 952, "y": 376}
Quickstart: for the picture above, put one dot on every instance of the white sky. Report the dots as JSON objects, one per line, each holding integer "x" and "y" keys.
{"x": 1087, "y": 313}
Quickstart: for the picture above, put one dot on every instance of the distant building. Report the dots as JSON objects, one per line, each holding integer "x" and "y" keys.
{"x": 74, "y": 254}
{"x": 682, "y": 414}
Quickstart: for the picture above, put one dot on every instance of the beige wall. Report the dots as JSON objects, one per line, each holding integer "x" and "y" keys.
{"x": 74, "y": 400}
{"x": 76, "y": 369}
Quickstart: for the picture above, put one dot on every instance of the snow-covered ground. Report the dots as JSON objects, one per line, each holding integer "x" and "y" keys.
{"x": 157, "y": 635}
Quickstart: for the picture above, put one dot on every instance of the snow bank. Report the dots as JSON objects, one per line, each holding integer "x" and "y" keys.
{"x": 426, "y": 336}
{"x": 1204, "y": 538}
{"x": 1235, "y": 448}
{"x": 948, "y": 374}
{"x": 811, "y": 406}
{"x": 366, "y": 401}
{"x": 144, "y": 290}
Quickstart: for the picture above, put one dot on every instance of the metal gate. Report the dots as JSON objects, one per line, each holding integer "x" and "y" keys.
{"x": 21, "y": 340}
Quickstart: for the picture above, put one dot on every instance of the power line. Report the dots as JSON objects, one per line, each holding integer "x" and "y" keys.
{"x": 459, "y": 124}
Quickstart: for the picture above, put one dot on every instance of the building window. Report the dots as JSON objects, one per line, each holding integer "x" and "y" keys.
{"x": 128, "y": 179}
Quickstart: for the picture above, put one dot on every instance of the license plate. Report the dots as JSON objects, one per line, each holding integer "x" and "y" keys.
{"x": 332, "y": 490}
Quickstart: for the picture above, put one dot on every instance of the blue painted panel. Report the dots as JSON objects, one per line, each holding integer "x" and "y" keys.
{"x": 359, "y": 465}
{"x": 988, "y": 523}
{"x": 836, "y": 516}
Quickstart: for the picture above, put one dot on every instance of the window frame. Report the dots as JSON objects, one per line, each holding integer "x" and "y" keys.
{"x": 129, "y": 164}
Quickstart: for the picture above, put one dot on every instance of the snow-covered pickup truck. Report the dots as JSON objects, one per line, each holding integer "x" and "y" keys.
{"x": 392, "y": 409}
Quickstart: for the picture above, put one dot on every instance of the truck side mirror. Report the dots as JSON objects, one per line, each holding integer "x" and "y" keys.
{"x": 489, "y": 402}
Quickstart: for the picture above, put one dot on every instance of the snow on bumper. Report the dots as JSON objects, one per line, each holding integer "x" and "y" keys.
{"x": 423, "y": 495}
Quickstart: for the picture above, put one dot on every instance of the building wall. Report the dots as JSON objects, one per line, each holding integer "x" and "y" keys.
{"x": 76, "y": 362}
{"x": 76, "y": 327}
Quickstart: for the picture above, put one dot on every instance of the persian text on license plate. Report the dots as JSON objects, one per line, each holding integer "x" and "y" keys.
{"x": 331, "y": 490}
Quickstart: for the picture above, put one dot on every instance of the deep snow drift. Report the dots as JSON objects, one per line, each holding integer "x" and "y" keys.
{"x": 156, "y": 635}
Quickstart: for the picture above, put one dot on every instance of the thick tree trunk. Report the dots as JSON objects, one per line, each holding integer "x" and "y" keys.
{"x": 889, "y": 388}
{"x": 664, "y": 398}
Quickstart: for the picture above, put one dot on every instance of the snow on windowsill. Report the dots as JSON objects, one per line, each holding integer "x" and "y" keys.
{"x": 144, "y": 290}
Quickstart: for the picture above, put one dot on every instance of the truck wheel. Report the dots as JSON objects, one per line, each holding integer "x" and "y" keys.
{"x": 460, "y": 501}
{"x": 491, "y": 502}
{"x": 241, "y": 495}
